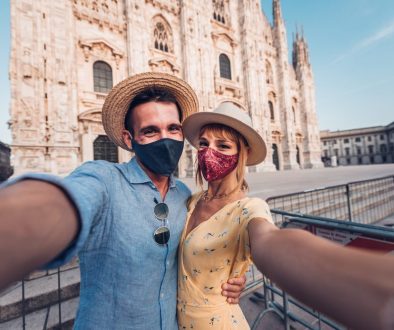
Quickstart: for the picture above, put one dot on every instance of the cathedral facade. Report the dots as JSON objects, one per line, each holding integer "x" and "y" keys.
{"x": 67, "y": 54}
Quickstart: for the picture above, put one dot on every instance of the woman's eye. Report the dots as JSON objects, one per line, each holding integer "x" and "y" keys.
{"x": 224, "y": 146}
{"x": 203, "y": 144}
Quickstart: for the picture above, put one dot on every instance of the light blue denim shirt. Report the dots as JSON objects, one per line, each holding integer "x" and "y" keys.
{"x": 127, "y": 280}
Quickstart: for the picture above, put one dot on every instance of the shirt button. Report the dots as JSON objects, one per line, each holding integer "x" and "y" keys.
{"x": 161, "y": 295}
{"x": 168, "y": 263}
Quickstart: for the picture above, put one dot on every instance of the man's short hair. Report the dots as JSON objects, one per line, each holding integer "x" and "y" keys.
{"x": 150, "y": 95}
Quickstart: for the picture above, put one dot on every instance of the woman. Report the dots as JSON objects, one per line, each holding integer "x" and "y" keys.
{"x": 225, "y": 230}
{"x": 215, "y": 242}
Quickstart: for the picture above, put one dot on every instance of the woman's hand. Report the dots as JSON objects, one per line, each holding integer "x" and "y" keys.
{"x": 233, "y": 289}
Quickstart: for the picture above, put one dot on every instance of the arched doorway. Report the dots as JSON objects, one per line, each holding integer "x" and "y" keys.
{"x": 105, "y": 149}
{"x": 275, "y": 156}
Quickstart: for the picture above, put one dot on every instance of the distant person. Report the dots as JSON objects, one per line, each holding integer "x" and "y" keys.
{"x": 226, "y": 230}
{"x": 123, "y": 220}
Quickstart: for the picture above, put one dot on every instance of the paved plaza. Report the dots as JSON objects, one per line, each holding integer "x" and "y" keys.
{"x": 269, "y": 184}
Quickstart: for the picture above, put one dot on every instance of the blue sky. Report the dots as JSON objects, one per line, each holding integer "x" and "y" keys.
{"x": 351, "y": 45}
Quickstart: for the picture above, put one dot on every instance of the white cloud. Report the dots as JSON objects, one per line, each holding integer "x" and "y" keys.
{"x": 383, "y": 33}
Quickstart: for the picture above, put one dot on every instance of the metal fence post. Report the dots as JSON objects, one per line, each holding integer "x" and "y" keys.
{"x": 59, "y": 297}
{"x": 23, "y": 305}
{"x": 349, "y": 207}
{"x": 286, "y": 310}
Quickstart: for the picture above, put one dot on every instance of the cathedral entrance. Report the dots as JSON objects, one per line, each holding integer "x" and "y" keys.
{"x": 105, "y": 149}
{"x": 275, "y": 156}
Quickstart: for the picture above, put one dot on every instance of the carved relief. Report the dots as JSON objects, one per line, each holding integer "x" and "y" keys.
{"x": 224, "y": 41}
{"x": 31, "y": 159}
{"x": 92, "y": 115}
{"x": 90, "y": 122}
{"x": 169, "y": 6}
{"x": 101, "y": 48}
{"x": 27, "y": 68}
{"x": 24, "y": 122}
{"x": 103, "y": 13}
{"x": 228, "y": 88}
{"x": 97, "y": 129}
{"x": 163, "y": 65}
{"x": 276, "y": 136}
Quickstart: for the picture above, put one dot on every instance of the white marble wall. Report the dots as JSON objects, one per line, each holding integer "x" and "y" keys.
{"x": 56, "y": 113}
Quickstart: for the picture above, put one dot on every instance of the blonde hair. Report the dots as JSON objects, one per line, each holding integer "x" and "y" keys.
{"x": 222, "y": 131}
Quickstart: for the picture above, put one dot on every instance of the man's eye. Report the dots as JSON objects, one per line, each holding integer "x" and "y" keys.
{"x": 175, "y": 128}
{"x": 149, "y": 132}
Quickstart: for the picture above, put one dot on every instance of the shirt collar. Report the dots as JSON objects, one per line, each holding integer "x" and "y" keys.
{"x": 137, "y": 175}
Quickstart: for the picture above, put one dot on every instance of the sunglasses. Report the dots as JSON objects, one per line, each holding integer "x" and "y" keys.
{"x": 162, "y": 234}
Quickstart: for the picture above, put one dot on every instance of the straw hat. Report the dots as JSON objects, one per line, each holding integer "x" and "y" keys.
{"x": 119, "y": 98}
{"x": 232, "y": 116}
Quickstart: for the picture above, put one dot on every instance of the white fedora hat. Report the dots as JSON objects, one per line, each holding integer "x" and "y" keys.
{"x": 230, "y": 115}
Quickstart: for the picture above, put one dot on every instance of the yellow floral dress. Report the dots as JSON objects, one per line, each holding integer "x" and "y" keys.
{"x": 213, "y": 252}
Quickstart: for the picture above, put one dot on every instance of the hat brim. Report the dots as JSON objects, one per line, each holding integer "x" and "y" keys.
{"x": 193, "y": 124}
{"x": 119, "y": 98}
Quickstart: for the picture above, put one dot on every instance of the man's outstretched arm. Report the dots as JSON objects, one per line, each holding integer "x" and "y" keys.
{"x": 37, "y": 223}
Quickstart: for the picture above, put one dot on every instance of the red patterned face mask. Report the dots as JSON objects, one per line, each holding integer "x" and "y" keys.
{"x": 215, "y": 165}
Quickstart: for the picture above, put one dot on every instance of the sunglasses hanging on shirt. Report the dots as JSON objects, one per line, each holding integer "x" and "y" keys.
{"x": 162, "y": 234}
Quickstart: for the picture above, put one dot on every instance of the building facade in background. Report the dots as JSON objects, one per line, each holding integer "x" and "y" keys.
{"x": 5, "y": 165}
{"x": 66, "y": 55}
{"x": 371, "y": 145}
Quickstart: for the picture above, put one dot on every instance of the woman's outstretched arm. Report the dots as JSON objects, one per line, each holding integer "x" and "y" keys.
{"x": 354, "y": 287}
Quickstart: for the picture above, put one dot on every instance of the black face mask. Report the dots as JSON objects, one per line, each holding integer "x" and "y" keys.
{"x": 161, "y": 157}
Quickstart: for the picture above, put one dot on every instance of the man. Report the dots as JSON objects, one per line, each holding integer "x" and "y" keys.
{"x": 123, "y": 220}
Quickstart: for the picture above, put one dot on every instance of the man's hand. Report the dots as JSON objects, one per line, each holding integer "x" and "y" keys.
{"x": 233, "y": 289}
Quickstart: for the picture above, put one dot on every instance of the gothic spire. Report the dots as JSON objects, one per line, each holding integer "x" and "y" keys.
{"x": 277, "y": 12}
{"x": 300, "y": 50}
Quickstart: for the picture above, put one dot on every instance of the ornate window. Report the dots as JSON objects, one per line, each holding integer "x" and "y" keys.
{"x": 219, "y": 12}
{"x": 225, "y": 66}
{"x": 102, "y": 77}
{"x": 162, "y": 35}
{"x": 272, "y": 112}
{"x": 269, "y": 74}
{"x": 105, "y": 149}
